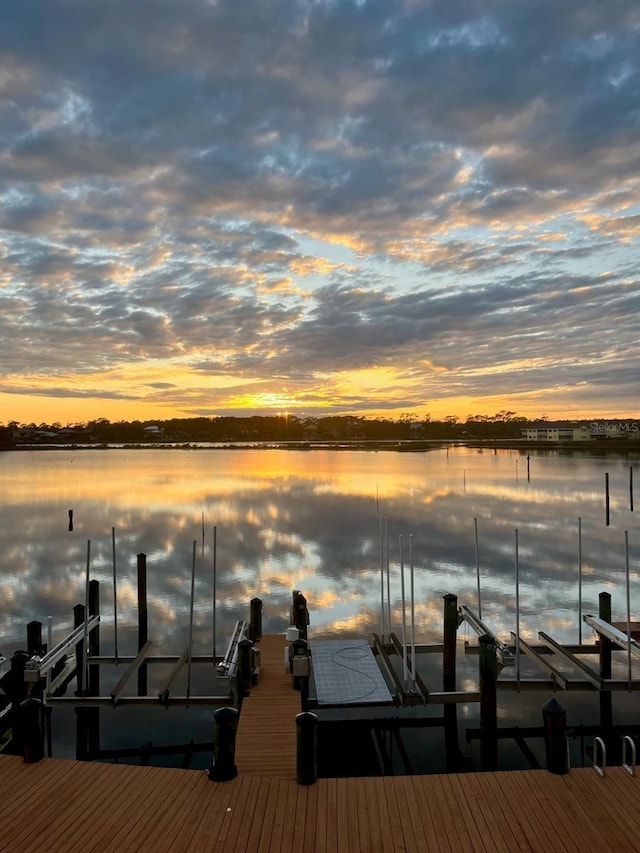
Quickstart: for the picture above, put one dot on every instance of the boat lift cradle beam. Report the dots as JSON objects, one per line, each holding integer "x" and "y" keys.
{"x": 481, "y": 629}
{"x": 558, "y": 677}
{"x": 605, "y": 629}
{"x": 37, "y": 667}
{"x": 588, "y": 673}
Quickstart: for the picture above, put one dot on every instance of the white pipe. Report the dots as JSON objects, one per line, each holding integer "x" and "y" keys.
{"x": 475, "y": 526}
{"x": 381, "y": 580}
{"x": 579, "y": 581}
{"x": 115, "y": 594}
{"x": 386, "y": 541}
{"x": 626, "y": 553}
{"x": 413, "y": 616}
{"x": 517, "y": 615}
{"x": 86, "y": 620}
{"x": 404, "y": 617}
{"x": 215, "y": 550}
{"x": 189, "y": 649}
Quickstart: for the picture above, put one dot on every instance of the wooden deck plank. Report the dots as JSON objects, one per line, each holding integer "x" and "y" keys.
{"x": 89, "y": 807}
{"x": 266, "y": 737}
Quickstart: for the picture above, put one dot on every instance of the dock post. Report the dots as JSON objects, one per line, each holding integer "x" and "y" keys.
{"x": 78, "y": 619}
{"x": 255, "y": 619}
{"x": 243, "y": 671}
{"x": 93, "y": 687}
{"x": 300, "y": 614}
{"x": 554, "y": 720}
{"x": 449, "y": 681}
{"x": 34, "y": 638}
{"x": 224, "y": 745}
{"x": 32, "y": 730}
{"x": 605, "y": 696}
{"x": 17, "y": 692}
{"x": 488, "y": 666}
{"x": 299, "y": 662}
{"x": 143, "y": 627}
{"x": 306, "y": 748}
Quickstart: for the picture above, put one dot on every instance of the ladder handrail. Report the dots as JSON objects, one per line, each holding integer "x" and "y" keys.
{"x": 597, "y": 741}
{"x": 627, "y": 740}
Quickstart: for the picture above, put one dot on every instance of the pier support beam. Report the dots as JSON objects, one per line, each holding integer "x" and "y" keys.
{"x": 488, "y": 703}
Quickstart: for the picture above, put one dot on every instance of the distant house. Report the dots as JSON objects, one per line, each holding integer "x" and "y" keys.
{"x": 153, "y": 431}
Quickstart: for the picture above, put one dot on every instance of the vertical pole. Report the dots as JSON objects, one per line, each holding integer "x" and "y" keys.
{"x": 449, "y": 681}
{"x": 115, "y": 593}
{"x": 488, "y": 703}
{"x": 475, "y": 528}
{"x": 626, "y": 562}
{"x": 86, "y": 607}
{"x": 631, "y": 488}
{"x": 605, "y": 657}
{"x": 580, "y": 581}
{"x": 517, "y": 614}
{"x": 190, "y": 646}
{"x": 413, "y": 614}
{"x": 70, "y": 521}
{"x": 386, "y": 544}
{"x": 528, "y": 473}
{"x": 215, "y": 544}
{"x": 606, "y": 497}
{"x": 404, "y": 616}
{"x": 143, "y": 625}
{"x": 382, "y": 631}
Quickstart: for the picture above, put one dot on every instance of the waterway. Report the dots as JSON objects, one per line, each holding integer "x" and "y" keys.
{"x": 311, "y": 520}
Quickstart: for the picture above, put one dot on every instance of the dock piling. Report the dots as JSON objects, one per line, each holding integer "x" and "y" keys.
{"x": 143, "y": 624}
{"x": 488, "y": 665}
{"x": 554, "y": 719}
{"x": 255, "y": 619}
{"x": 306, "y": 748}
{"x": 224, "y": 745}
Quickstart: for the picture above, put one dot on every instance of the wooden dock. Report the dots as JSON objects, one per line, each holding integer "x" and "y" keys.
{"x": 79, "y": 807}
{"x": 266, "y": 739}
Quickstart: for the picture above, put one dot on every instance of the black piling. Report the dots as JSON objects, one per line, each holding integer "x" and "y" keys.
{"x": 224, "y": 767}
{"x": 554, "y": 721}
{"x": 34, "y": 638}
{"x": 452, "y": 750}
{"x": 300, "y": 614}
{"x": 631, "y": 488}
{"x": 70, "y": 521}
{"x": 306, "y": 748}
{"x": 255, "y": 619}
{"x": 143, "y": 626}
{"x": 32, "y": 729}
{"x": 606, "y": 499}
{"x": 16, "y": 690}
{"x": 78, "y": 619}
{"x": 93, "y": 687}
{"x": 488, "y": 666}
{"x": 243, "y": 671}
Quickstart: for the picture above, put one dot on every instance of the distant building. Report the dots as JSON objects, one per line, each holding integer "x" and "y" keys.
{"x": 557, "y": 433}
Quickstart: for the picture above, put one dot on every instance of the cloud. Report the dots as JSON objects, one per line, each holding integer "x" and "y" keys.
{"x": 290, "y": 193}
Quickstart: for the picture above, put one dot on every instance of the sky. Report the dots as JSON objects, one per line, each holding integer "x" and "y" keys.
{"x": 236, "y": 207}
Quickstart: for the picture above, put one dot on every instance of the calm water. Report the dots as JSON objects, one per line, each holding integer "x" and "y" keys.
{"x": 311, "y": 521}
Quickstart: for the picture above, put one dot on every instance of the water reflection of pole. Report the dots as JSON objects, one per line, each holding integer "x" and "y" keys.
{"x": 631, "y": 488}
{"x": 413, "y": 616}
{"x": 404, "y": 616}
{"x": 517, "y": 616}
{"x": 626, "y": 556}
{"x": 86, "y": 617}
{"x": 215, "y": 535}
{"x": 580, "y": 581}
{"x": 115, "y": 594}
{"x": 189, "y": 648}
{"x": 606, "y": 497}
{"x": 475, "y": 528}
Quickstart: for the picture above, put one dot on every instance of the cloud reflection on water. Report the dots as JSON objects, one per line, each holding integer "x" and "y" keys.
{"x": 308, "y": 520}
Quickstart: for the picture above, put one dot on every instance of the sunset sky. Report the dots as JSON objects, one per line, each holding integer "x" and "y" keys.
{"x": 215, "y": 207}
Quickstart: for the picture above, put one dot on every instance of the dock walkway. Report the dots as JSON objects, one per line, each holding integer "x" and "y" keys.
{"x": 79, "y": 807}
{"x": 266, "y": 738}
